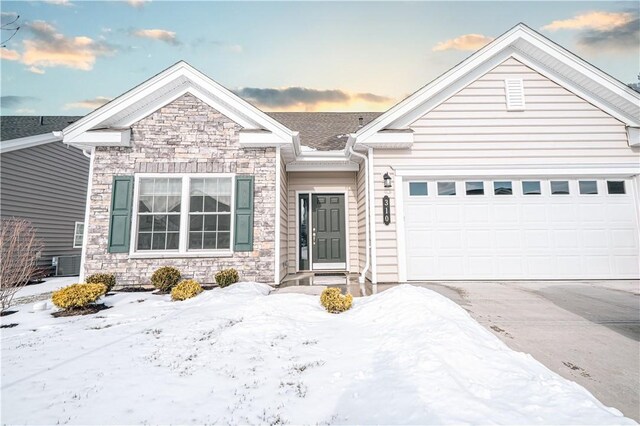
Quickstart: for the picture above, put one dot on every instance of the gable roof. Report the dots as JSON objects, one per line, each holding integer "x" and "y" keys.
{"x": 535, "y": 51}
{"x": 324, "y": 131}
{"x": 21, "y": 126}
{"x": 162, "y": 89}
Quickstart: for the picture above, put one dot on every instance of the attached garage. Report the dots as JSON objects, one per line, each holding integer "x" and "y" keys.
{"x": 521, "y": 228}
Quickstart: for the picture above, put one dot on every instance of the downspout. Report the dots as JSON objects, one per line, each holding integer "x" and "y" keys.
{"x": 366, "y": 216}
{"x": 372, "y": 197}
{"x": 87, "y": 211}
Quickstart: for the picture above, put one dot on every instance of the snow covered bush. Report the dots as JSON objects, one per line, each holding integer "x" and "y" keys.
{"x": 19, "y": 249}
{"x": 78, "y": 295}
{"x": 186, "y": 289}
{"x": 227, "y": 277}
{"x": 334, "y": 302}
{"x": 109, "y": 280}
{"x": 165, "y": 278}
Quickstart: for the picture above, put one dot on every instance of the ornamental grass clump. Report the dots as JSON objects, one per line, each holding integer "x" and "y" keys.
{"x": 165, "y": 278}
{"x": 227, "y": 277}
{"x": 109, "y": 280}
{"x": 77, "y": 296}
{"x": 334, "y": 302}
{"x": 186, "y": 289}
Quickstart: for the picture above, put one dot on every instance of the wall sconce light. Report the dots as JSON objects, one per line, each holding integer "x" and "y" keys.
{"x": 387, "y": 180}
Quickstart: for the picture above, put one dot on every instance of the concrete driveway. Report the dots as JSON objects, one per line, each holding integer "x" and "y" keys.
{"x": 586, "y": 331}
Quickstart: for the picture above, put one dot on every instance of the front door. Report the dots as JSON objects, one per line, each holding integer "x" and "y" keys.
{"x": 328, "y": 231}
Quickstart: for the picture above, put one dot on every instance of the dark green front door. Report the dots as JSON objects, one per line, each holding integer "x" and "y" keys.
{"x": 328, "y": 231}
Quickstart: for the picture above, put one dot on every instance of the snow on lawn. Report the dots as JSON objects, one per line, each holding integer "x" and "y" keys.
{"x": 406, "y": 355}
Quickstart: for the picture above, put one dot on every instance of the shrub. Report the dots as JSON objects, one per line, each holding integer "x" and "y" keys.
{"x": 227, "y": 277}
{"x": 186, "y": 289}
{"x": 165, "y": 278}
{"x": 78, "y": 295}
{"x": 334, "y": 302}
{"x": 109, "y": 280}
{"x": 19, "y": 249}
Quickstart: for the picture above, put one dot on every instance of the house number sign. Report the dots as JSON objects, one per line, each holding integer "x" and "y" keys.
{"x": 386, "y": 210}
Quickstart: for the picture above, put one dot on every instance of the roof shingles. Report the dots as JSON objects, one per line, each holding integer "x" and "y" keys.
{"x": 21, "y": 126}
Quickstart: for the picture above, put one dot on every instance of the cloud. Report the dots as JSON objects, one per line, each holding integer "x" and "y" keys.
{"x": 15, "y": 102}
{"x": 137, "y": 3}
{"x": 49, "y": 48}
{"x": 464, "y": 42}
{"x": 65, "y": 3}
{"x": 88, "y": 103}
{"x": 26, "y": 111}
{"x": 305, "y": 98}
{"x": 36, "y": 70}
{"x": 6, "y": 17}
{"x": 158, "y": 34}
{"x": 600, "y": 21}
{"x": 8, "y": 54}
{"x": 603, "y": 31}
{"x": 222, "y": 45}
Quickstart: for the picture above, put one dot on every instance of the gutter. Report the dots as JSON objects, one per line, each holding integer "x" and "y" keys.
{"x": 367, "y": 262}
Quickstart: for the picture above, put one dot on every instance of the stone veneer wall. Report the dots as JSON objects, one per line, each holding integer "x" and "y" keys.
{"x": 186, "y": 136}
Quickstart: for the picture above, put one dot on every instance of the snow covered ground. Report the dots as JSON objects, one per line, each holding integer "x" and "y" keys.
{"x": 234, "y": 355}
{"x": 50, "y": 284}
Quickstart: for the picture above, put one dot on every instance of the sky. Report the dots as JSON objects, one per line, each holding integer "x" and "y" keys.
{"x": 69, "y": 57}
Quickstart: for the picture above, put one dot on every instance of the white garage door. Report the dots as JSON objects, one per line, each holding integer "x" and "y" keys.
{"x": 521, "y": 229}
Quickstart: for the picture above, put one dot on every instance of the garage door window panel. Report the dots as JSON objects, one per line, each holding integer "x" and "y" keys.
{"x": 502, "y": 188}
{"x": 474, "y": 188}
{"x": 559, "y": 187}
{"x": 531, "y": 187}
{"x": 418, "y": 189}
{"x": 446, "y": 188}
{"x": 615, "y": 187}
{"x": 588, "y": 187}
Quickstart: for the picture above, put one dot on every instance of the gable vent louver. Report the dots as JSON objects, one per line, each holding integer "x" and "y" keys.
{"x": 515, "y": 94}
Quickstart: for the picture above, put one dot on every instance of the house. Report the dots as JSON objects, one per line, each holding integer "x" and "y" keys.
{"x": 521, "y": 162}
{"x": 45, "y": 181}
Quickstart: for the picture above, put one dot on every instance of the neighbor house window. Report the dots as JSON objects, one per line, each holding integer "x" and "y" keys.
{"x": 588, "y": 187}
{"x": 559, "y": 187}
{"x": 502, "y": 188}
{"x": 418, "y": 189}
{"x": 78, "y": 234}
{"x": 184, "y": 213}
{"x": 531, "y": 187}
{"x": 615, "y": 187}
{"x": 446, "y": 188}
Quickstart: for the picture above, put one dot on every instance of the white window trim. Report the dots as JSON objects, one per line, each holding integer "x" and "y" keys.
{"x": 75, "y": 235}
{"x": 184, "y": 218}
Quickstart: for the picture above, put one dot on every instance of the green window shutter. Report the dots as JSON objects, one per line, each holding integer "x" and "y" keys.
{"x": 243, "y": 231}
{"x": 120, "y": 221}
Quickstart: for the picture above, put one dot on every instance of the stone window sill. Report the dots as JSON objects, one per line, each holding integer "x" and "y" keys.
{"x": 174, "y": 255}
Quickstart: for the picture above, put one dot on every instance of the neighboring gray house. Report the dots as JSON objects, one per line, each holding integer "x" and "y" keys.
{"x": 44, "y": 181}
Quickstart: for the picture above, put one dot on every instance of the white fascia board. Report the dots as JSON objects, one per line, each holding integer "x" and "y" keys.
{"x": 483, "y": 55}
{"x": 261, "y": 139}
{"x": 253, "y": 117}
{"x": 519, "y": 171}
{"x": 28, "y": 142}
{"x": 117, "y": 137}
{"x": 322, "y": 166}
{"x": 390, "y": 140}
{"x": 633, "y": 134}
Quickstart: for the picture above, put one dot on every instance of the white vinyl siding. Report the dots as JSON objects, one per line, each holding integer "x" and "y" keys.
{"x": 362, "y": 224}
{"x": 474, "y": 128}
{"x": 325, "y": 182}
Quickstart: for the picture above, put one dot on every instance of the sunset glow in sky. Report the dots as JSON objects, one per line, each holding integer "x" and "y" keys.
{"x": 69, "y": 57}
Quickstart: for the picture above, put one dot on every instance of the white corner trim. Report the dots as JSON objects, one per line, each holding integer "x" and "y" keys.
{"x": 400, "y": 232}
{"x": 372, "y": 220}
{"x": 633, "y": 134}
{"x": 87, "y": 215}
{"x": 277, "y": 216}
{"x": 28, "y": 142}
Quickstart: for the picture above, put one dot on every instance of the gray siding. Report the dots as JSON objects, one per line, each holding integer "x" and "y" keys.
{"x": 47, "y": 185}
